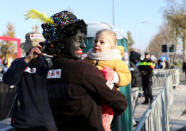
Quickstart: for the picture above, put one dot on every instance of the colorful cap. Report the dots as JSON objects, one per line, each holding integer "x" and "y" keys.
{"x": 51, "y": 31}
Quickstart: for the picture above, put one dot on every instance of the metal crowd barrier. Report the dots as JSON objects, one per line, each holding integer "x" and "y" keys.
{"x": 175, "y": 74}
{"x": 7, "y": 94}
{"x": 156, "y": 118}
{"x": 134, "y": 98}
{"x": 159, "y": 79}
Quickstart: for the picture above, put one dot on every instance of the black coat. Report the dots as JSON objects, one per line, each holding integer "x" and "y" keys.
{"x": 135, "y": 72}
{"x": 184, "y": 67}
{"x": 75, "y": 89}
{"x": 136, "y": 75}
{"x": 31, "y": 108}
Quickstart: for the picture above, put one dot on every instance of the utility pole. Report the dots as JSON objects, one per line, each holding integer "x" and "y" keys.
{"x": 184, "y": 45}
{"x": 113, "y": 16}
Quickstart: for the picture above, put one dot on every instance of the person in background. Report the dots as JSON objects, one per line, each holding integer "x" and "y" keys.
{"x": 158, "y": 65}
{"x": 135, "y": 72}
{"x": 136, "y": 82}
{"x": 31, "y": 110}
{"x": 75, "y": 87}
{"x": 184, "y": 68}
{"x": 146, "y": 67}
{"x": 5, "y": 65}
{"x": 163, "y": 63}
{"x": 107, "y": 57}
{"x": 5, "y": 68}
{"x": 5, "y": 62}
{"x": 167, "y": 65}
{"x": 1, "y": 61}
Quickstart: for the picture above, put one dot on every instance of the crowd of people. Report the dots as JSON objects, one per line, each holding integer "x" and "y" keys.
{"x": 162, "y": 64}
{"x": 71, "y": 93}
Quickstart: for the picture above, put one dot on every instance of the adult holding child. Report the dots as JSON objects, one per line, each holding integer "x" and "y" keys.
{"x": 75, "y": 87}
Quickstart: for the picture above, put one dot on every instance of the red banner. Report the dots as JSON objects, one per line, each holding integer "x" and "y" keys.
{"x": 13, "y": 39}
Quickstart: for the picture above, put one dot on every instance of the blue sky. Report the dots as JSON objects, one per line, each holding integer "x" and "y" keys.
{"x": 142, "y": 17}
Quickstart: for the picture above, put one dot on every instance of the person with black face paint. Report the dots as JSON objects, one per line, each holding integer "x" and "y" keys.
{"x": 75, "y": 87}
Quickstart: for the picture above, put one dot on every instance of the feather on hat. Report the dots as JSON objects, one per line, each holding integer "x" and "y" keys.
{"x": 53, "y": 25}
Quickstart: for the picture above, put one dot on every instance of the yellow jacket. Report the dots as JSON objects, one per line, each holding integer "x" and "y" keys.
{"x": 117, "y": 65}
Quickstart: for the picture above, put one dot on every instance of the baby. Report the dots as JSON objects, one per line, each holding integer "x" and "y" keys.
{"x": 107, "y": 56}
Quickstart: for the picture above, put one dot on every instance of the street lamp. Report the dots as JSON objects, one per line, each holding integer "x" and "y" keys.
{"x": 113, "y": 16}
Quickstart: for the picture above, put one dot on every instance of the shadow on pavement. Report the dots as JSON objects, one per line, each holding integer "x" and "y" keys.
{"x": 182, "y": 129}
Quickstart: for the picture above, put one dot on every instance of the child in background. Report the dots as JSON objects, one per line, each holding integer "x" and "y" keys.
{"x": 107, "y": 56}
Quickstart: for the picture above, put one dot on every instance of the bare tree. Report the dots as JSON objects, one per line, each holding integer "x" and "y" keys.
{"x": 130, "y": 41}
{"x": 8, "y": 47}
{"x": 155, "y": 46}
{"x": 175, "y": 15}
{"x": 172, "y": 31}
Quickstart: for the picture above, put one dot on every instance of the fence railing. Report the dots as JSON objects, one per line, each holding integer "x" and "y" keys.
{"x": 156, "y": 117}
{"x": 159, "y": 79}
{"x": 7, "y": 94}
{"x": 161, "y": 73}
{"x": 134, "y": 98}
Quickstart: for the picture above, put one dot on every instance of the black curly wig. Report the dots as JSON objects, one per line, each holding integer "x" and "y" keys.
{"x": 55, "y": 47}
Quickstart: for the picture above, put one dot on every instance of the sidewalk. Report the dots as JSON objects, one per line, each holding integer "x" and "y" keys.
{"x": 178, "y": 113}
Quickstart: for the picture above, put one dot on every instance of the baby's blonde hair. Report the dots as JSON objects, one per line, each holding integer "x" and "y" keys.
{"x": 112, "y": 34}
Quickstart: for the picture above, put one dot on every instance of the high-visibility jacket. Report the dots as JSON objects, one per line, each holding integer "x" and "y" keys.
{"x": 146, "y": 66}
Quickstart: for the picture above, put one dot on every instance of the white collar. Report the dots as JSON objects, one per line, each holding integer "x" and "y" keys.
{"x": 111, "y": 54}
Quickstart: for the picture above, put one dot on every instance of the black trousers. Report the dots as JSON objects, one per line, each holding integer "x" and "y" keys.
{"x": 147, "y": 87}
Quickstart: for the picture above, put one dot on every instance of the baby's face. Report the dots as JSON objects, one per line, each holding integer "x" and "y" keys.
{"x": 104, "y": 41}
